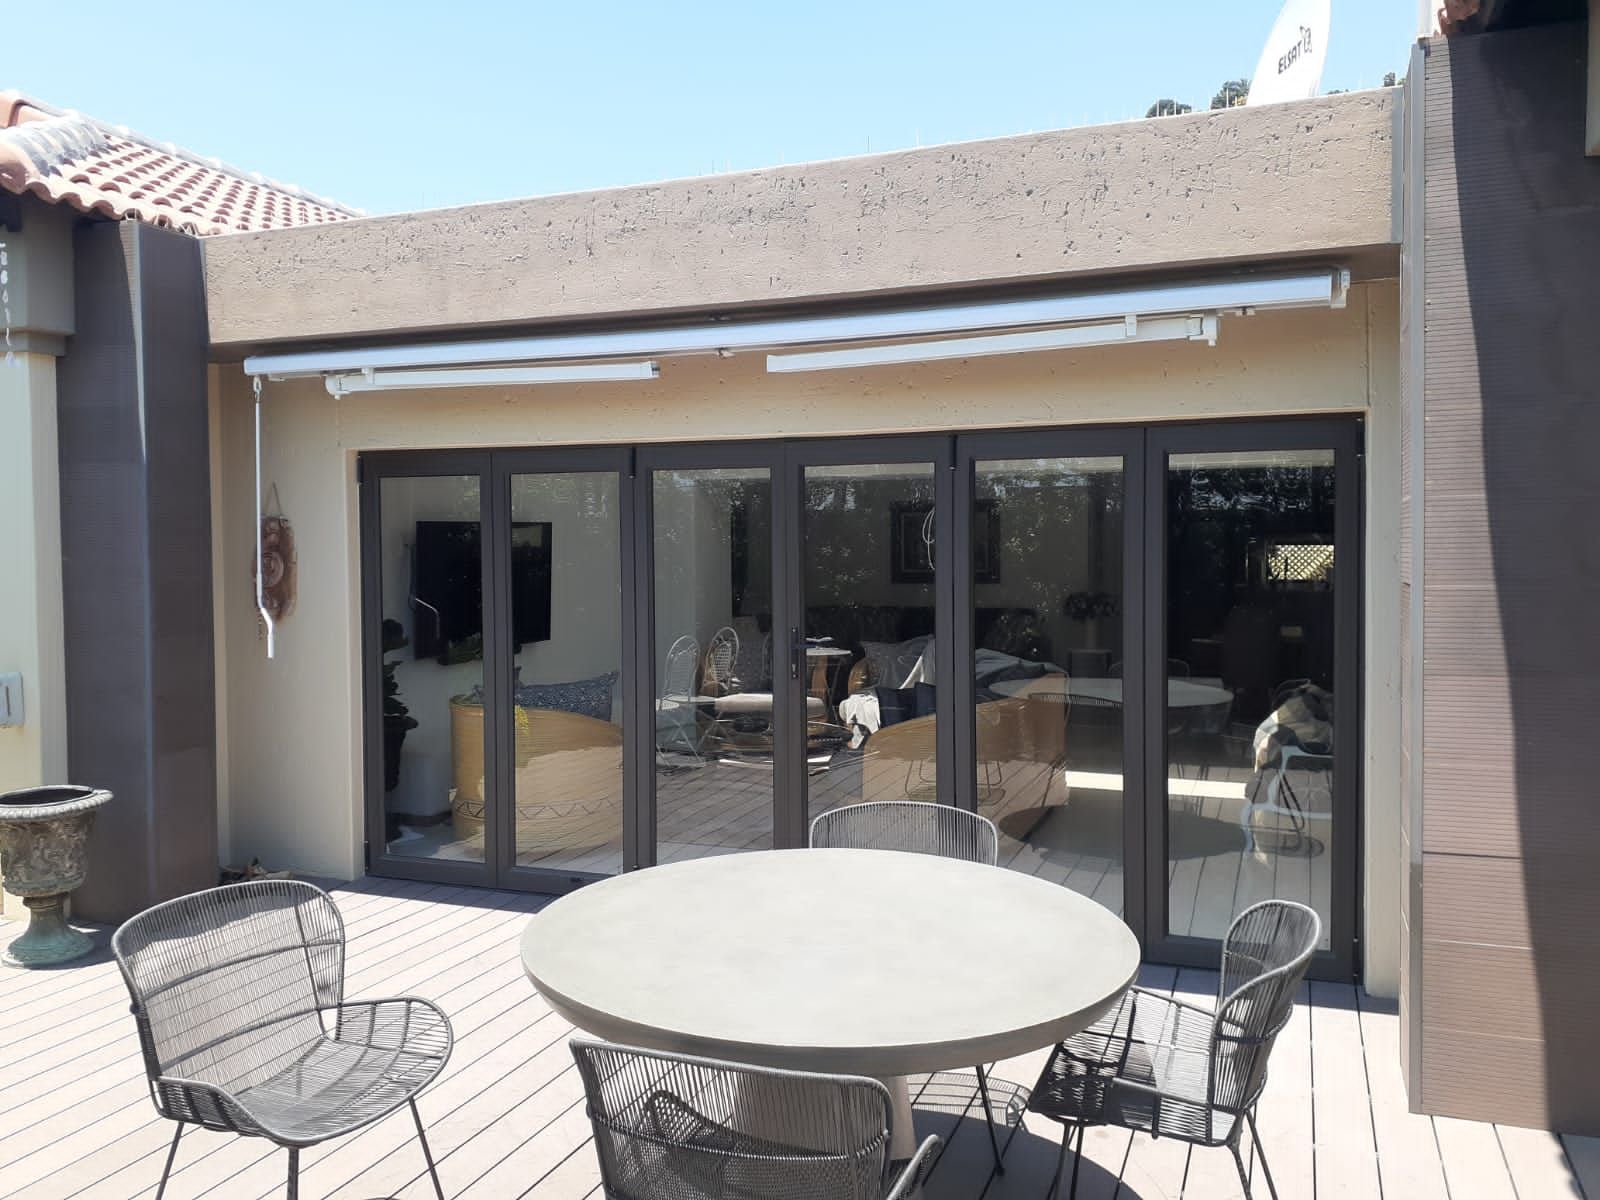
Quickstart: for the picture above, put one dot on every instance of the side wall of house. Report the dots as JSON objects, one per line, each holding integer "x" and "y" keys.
{"x": 291, "y": 774}
{"x": 1505, "y": 950}
{"x": 37, "y": 316}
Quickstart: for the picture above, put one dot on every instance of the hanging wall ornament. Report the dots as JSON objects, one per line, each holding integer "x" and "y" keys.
{"x": 278, "y": 568}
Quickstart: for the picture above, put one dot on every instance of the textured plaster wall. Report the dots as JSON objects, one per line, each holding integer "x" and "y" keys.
{"x": 294, "y": 783}
{"x": 1246, "y": 185}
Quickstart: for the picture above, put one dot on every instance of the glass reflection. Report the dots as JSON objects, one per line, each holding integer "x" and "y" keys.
{"x": 715, "y": 652}
{"x": 431, "y": 593}
{"x": 1047, "y": 624}
{"x": 1249, "y": 717}
{"x": 869, "y": 603}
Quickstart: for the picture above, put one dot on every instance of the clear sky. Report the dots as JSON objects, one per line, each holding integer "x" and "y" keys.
{"x": 403, "y": 105}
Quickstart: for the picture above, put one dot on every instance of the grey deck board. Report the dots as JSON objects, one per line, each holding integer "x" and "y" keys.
{"x": 506, "y": 1119}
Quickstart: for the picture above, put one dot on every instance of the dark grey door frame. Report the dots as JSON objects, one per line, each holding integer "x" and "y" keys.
{"x": 494, "y": 469}
{"x": 371, "y": 469}
{"x": 706, "y": 456}
{"x": 1344, "y": 436}
{"x": 1143, "y": 450}
{"x": 558, "y": 460}
{"x": 938, "y": 450}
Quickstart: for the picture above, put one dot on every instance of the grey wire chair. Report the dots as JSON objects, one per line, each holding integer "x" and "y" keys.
{"x": 670, "y": 1127}
{"x": 918, "y": 827}
{"x": 1162, "y": 1066}
{"x": 238, "y": 994}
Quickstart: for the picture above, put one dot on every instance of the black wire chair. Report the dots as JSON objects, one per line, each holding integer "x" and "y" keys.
{"x": 1168, "y": 1068}
{"x": 238, "y": 994}
{"x": 669, "y": 1127}
{"x": 918, "y": 827}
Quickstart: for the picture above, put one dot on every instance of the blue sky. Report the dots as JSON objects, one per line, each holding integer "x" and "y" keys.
{"x": 407, "y": 105}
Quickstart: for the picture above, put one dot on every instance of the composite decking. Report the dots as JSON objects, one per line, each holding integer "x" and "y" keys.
{"x": 506, "y": 1119}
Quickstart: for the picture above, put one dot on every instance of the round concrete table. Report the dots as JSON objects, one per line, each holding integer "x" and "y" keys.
{"x": 863, "y": 962}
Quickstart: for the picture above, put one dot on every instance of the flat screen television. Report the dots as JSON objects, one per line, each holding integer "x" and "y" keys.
{"x": 447, "y": 583}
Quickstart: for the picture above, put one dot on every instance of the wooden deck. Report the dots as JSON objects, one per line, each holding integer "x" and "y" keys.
{"x": 506, "y": 1119}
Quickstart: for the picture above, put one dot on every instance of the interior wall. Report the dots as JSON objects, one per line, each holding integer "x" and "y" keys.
{"x": 304, "y": 811}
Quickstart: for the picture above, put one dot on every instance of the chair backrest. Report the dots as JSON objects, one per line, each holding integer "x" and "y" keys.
{"x": 721, "y": 652}
{"x": 668, "y": 1127}
{"x": 1264, "y": 959}
{"x": 677, "y": 675}
{"x": 915, "y": 826}
{"x": 227, "y": 983}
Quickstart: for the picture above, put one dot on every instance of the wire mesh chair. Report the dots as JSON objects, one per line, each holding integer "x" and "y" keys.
{"x": 918, "y": 827}
{"x": 238, "y": 994}
{"x": 669, "y": 1127}
{"x": 1162, "y": 1066}
{"x": 677, "y": 714}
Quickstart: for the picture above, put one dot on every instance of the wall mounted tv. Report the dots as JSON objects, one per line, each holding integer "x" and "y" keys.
{"x": 447, "y": 584}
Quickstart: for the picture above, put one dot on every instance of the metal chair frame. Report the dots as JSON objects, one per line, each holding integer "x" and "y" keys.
{"x": 674, "y": 1127}
{"x": 1087, "y": 1080}
{"x": 918, "y": 827}
{"x": 238, "y": 995}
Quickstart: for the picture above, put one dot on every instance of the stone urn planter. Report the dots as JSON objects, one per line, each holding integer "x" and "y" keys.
{"x": 44, "y": 836}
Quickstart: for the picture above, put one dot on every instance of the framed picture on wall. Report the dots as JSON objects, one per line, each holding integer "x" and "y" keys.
{"x": 911, "y": 542}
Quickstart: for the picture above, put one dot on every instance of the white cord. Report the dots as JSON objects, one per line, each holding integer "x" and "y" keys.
{"x": 261, "y": 596}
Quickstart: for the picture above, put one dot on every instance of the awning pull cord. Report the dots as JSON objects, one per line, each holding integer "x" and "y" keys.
{"x": 261, "y": 600}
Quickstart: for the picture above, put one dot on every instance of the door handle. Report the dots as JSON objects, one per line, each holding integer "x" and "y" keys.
{"x": 797, "y": 652}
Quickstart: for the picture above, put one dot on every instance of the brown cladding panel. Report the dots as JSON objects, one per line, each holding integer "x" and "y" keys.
{"x": 1511, "y": 576}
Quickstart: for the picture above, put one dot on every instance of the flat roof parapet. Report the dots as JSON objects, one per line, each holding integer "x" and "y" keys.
{"x": 1311, "y": 179}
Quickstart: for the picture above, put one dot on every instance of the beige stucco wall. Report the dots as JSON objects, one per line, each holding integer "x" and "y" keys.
{"x": 1243, "y": 185}
{"x": 30, "y": 575}
{"x": 293, "y": 783}
{"x": 39, "y": 287}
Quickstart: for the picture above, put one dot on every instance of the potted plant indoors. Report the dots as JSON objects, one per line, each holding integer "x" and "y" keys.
{"x": 397, "y": 718}
{"x": 44, "y": 837}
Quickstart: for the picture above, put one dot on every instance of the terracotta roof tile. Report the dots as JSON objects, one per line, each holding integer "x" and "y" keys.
{"x": 67, "y": 158}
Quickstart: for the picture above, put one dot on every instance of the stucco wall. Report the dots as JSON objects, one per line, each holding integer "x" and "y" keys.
{"x": 1244, "y": 185}
{"x": 30, "y": 563}
{"x": 293, "y": 776}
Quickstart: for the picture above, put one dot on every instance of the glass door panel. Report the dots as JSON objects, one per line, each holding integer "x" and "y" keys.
{"x": 1048, "y": 613}
{"x": 1248, "y": 719}
{"x": 430, "y": 602}
{"x": 564, "y": 688}
{"x": 867, "y": 658}
{"x": 714, "y": 648}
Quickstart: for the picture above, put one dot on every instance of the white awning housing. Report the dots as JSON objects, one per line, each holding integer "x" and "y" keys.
{"x": 1110, "y": 316}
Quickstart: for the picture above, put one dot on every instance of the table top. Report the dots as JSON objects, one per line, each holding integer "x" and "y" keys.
{"x": 1181, "y": 693}
{"x": 856, "y": 961}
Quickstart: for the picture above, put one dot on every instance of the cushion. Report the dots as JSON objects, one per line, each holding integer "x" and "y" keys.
{"x": 586, "y": 697}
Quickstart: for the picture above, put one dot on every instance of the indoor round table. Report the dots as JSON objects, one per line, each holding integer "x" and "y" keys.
{"x": 862, "y": 962}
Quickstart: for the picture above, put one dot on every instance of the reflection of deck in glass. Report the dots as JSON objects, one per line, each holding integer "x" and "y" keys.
{"x": 723, "y": 805}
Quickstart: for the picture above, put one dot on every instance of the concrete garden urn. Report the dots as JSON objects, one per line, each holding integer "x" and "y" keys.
{"x": 44, "y": 836}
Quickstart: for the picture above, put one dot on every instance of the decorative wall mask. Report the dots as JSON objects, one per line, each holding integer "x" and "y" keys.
{"x": 278, "y": 571}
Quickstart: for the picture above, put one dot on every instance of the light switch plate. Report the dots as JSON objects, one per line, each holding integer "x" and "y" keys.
{"x": 10, "y": 699}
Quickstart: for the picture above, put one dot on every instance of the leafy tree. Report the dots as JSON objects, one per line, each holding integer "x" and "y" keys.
{"x": 1231, "y": 93}
{"x": 1389, "y": 79}
{"x": 1168, "y": 108}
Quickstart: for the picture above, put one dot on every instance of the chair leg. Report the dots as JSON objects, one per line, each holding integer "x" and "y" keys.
{"x": 1238, "y": 1161}
{"x": 161, "y": 1189}
{"x": 988, "y": 1116}
{"x": 426, "y": 1153}
{"x": 1255, "y": 1142}
{"x": 1061, "y": 1163}
{"x": 294, "y": 1173}
{"x": 1067, "y": 1133}
{"x": 1077, "y": 1161}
